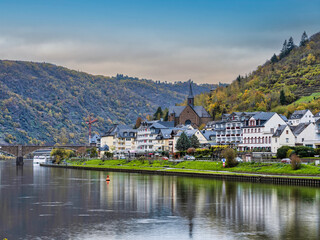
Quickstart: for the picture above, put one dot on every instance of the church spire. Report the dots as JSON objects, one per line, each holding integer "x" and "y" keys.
{"x": 190, "y": 96}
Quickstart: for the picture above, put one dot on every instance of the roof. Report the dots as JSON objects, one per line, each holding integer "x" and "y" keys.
{"x": 298, "y": 114}
{"x": 299, "y": 128}
{"x": 317, "y": 114}
{"x": 166, "y": 133}
{"x": 279, "y": 130}
{"x": 104, "y": 148}
{"x": 189, "y": 133}
{"x": 190, "y": 90}
{"x": 284, "y": 118}
{"x": 121, "y": 133}
{"x": 263, "y": 115}
{"x": 177, "y": 110}
{"x": 207, "y": 134}
{"x": 167, "y": 124}
{"x": 115, "y": 128}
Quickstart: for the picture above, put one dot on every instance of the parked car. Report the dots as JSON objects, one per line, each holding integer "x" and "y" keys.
{"x": 238, "y": 159}
{"x": 165, "y": 158}
{"x": 286, "y": 160}
{"x": 187, "y": 157}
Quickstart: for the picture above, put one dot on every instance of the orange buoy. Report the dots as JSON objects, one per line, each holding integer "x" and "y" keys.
{"x": 107, "y": 179}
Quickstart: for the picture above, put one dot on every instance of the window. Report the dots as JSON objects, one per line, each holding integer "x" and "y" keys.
{"x": 302, "y": 139}
{"x": 276, "y": 140}
{"x": 287, "y": 140}
{"x": 244, "y": 130}
{"x": 272, "y": 130}
{"x": 287, "y": 131}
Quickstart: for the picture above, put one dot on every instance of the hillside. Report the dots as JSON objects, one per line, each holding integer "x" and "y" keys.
{"x": 45, "y": 103}
{"x": 275, "y": 86}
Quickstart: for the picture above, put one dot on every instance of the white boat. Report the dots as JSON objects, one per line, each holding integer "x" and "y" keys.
{"x": 39, "y": 159}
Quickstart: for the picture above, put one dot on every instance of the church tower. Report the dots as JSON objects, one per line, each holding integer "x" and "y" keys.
{"x": 190, "y": 96}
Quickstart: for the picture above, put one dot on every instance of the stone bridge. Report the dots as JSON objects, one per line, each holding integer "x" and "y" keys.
{"x": 21, "y": 150}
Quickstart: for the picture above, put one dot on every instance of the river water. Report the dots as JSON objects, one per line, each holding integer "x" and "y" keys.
{"x": 50, "y": 203}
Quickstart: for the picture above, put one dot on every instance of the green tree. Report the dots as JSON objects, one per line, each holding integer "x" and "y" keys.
{"x": 282, "y": 152}
{"x": 284, "y": 50}
{"x": 230, "y": 155}
{"x": 274, "y": 58}
{"x": 158, "y": 114}
{"x": 282, "y": 98}
{"x": 290, "y": 45}
{"x": 183, "y": 142}
{"x": 304, "y": 39}
{"x": 194, "y": 141}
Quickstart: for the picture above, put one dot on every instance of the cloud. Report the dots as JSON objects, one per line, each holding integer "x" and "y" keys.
{"x": 141, "y": 56}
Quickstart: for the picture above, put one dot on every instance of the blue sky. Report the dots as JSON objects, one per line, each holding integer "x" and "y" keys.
{"x": 207, "y": 41}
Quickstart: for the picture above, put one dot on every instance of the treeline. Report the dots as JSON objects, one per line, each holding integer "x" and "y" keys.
{"x": 274, "y": 86}
{"x": 43, "y": 103}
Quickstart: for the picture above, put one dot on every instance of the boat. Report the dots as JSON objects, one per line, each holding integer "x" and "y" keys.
{"x": 39, "y": 159}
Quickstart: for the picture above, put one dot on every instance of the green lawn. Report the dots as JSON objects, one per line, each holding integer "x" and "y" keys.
{"x": 308, "y": 98}
{"x": 203, "y": 166}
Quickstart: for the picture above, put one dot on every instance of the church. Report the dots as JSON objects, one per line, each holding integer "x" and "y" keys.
{"x": 190, "y": 114}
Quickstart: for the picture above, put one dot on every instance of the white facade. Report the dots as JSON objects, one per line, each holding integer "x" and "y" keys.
{"x": 308, "y": 137}
{"x": 258, "y": 133}
{"x": 283, "y": 137}
{"x": 303, "y": 116}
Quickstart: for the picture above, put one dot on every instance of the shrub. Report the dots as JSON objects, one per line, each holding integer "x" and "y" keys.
{"x": 303, "y": 151}
{"x": 230, "y": 155}
{"x": 290, "y": 152}
{"x": 317, "y": 151}
{"x": 282, "y": 152}
{"x": 191, "y": 150}
{"x": 142, "y": 159}
{"x": 295, "y": 162}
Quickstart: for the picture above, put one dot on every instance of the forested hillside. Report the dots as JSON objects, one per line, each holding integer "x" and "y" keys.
{"x": 45, "y": 103}
{"x": 279, "y": 85}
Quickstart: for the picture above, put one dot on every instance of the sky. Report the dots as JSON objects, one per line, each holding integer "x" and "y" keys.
{"x": 208, "y": 41}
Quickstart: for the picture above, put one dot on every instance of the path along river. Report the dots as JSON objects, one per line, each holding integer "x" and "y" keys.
{"x": 51, "y": 203}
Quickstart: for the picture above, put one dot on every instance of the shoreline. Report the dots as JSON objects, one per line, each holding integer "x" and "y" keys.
{"x": 313, "y": 181}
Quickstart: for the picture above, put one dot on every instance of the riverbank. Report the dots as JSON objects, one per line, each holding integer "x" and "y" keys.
{"x": 276, "y": 173}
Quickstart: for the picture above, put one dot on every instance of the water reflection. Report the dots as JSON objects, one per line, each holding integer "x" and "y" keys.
{"x": 73, "y": 204}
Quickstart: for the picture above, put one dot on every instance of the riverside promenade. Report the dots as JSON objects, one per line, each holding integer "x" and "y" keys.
{"x": 223, "y": 175}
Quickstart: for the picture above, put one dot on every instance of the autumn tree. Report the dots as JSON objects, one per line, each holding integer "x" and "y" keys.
{"x": 230, "y": 155}
{"x": 138, "y": 122}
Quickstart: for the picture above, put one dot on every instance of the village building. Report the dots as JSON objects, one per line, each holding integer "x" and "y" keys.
{"x": 190, "y": 114}
{"x": 259, "y": 129}
{"x": 154, "y": 136}
{"x": 283, "y": 136}
{"x": 206, "y": 138}
{"x": 306, "y": 134}
{"x": 301, "y": 116}
{"x": 118, "y": 138}
{"x": 229, "y": 129}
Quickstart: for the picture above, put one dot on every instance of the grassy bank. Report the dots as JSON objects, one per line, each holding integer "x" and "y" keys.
{"x": 200, "y": 166}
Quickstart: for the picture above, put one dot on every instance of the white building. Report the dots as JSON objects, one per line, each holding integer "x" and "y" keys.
{"x": 259, "y": 130}
{"x": 206, "y": 137}
{"x": 150, "y": 138}
{"x": 301, "y": 116}
{"x": 283, "y": 136}
{"x": 306, "y": 134}
{"x": 229, "y": 129}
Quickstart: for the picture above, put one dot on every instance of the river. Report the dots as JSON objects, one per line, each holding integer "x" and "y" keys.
{"x": 51, "y": 203}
